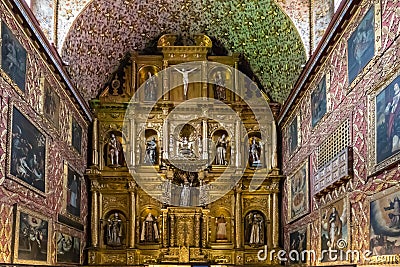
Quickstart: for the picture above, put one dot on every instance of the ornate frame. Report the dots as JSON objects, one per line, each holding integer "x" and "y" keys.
{"x": 382, "y": 259}
{"x": 73, "y": 238}
{"x": 22, "y": 110}
{"x": 79, "y": 151}
{"x": 327, "y": 76}
{"x": 306, "y": 166}
{"x": 297, "y": 117}
{"x": 66, "y": 168}
{"x": 346, "y": 244}
{"x": 308, "y": 244}
{"x": 17, "y": 232}
{"x": 44, "y": 83}
{"x": 373, "y": 164}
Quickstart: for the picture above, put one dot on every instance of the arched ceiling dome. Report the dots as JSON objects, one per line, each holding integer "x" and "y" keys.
{"x": 106, "y": 30}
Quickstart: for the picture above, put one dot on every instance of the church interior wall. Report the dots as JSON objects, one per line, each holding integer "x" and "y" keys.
{"x": 353, "y": 102}
{"x": 37, "y": 152}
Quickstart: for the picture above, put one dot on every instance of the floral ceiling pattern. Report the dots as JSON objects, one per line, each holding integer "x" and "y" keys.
{"x": 106, "y": 30}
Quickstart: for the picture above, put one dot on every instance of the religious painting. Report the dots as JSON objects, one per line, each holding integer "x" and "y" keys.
{"x": 385, "y": 222}
{"x": 335, "y": 232}
{"x": 68, "y": 248}
{"x": 298, "y": 245}
{"x": 387, "y": 108}
{"x": 76, "y": 135}
{"x": 361, "y": 45}
{"x": 220, "y": 78}
{"x": 298, "y": 193}
{"x": 318, "y": 102}
{"x": 147, "y": 77}
{"x": 32, "y": 233}
{"x": 293, "y": 135}
{"x": 51, "y": 103}
{"x": 13, "y": 57}
{"x": 73, "y": 192}
{"x": 255, "y": 232}
{"x": 28, "y": 149}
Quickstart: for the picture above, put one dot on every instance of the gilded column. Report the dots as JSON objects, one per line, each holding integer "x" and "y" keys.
{"x": 274, "y": 164}
{"x": 95, "y": 214}
{"x": 132, "y": 141}
{"x": 238, "y": 215}
{"x": 205, "y": 236}
{"x": 132, "y": 211}
{"x": 205, "y": 139}
{"x": 164, "y": 233}
{"x": 237, "y": 141}
{"x": 197, "y": 230}
{"x": 165, "y": 81}
{"x": 237, "y": 89}
{"x": 95, "y": 153}
{"x": 172, "y": 229}
{"x": 204, "y": 78}
{"x": 275, "y": 220}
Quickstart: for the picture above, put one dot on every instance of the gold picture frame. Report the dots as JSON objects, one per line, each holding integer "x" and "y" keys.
{"x": 51, "y": 103}
{"x": 32, "y": 237}
{"x": 300, "y": 241}
{"x": 298, "y": 187}
{"x": 293, "y": 134}
{"x": 335, "y": 214}
{"x": 72, "y": 193}
{"x": 68, "y": 248}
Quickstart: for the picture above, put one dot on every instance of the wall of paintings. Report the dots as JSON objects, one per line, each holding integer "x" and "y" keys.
{"x": 357, "y": 81}
{"x": 43, "y": 140}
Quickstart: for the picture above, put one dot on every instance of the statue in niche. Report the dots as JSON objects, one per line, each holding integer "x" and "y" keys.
{"x": 185, "y": 148}
{"x": 150, "y": 92}
{"x": 185, "y": 193}
{"x": 219, "y": 86}
{"x": 221, "y": 228}
{"x": 254, "y": 153}
{"x": 149, "y": 231}
{"x": 114, "y": 233}
{"x": 200, "y": 146}
{"x": 114, "y": 151}
{"x": 255, "y": 229}
{"x": 151, "y": 148}
{"x": 221, "y": 145}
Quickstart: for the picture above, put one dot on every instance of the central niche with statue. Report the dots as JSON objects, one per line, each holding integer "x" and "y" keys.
{"x": 175, "y": 179}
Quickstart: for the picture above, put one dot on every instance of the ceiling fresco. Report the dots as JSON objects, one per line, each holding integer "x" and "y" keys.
{"x": 106, "y": 30}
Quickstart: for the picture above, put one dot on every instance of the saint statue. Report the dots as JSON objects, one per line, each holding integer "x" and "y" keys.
{"x": 150, "y": 88}
{"x": 221, "y": 150}
{"x": 219, "y": 86}
{"x": 149, "y": 229}
{"x": 221, "y": 227}
{"x": 151, "y": 148}
{"x": 114, "y": 150}
{"x": 185, "y": 194}
{"x": 254, "y": 153}
{"x": 114, "y": 230}
{"x": 256, "y": 223}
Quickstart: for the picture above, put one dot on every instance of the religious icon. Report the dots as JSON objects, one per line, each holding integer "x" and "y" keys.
{"x": 73, "y": 193}
{"x": 318, "y": 102}
{"x": 28, "y": 146}
{"x": 149, "y": 231}
{"x": 68, "y": 248}
{"x": 298, "y": 242}
{"x": 185, "y": 78}
{"x": 114, "y": 230}
{"x": 298, "y": 193}
{"x": 76, "y": 135}
{"x": 114, "y": 151}
{"x": 219, "y": 86}
{"x": 51, "y": 106}
{"x": 293, "y": 137}
{"x": 151, "y": 151}
{"x": 221, "y": 145}
{"x": 150, "y": 92}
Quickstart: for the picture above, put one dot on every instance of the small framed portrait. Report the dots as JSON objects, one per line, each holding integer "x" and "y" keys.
{"x": 335, "y": 236}
{"x": 319, "y": 101}
{"x": 32, "y": 233}
{"x": 384, "y": 220}
{"x": 76, "y": 139}
{"x": 51, "y": 103}
{"x": 298, "y": 193}
{"x": 385, "y": 139}
{"x": 293, "y": 135}
{"x": 361, "y": 45}
{"x": 298, "y": 244}
{"x": 27, "y": 163}
{"x": 73, "y": 192}
{"x": 13, "y": 57}
{"x": 68, "y": 248}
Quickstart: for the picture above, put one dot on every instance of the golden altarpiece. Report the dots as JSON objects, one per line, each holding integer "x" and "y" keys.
{"x": 174, "y": 183}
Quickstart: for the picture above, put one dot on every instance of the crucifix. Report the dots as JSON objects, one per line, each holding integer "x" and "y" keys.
{"x": 185, "y": 78}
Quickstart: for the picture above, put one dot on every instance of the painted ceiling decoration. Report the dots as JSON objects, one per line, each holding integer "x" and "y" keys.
{"x": 106, "y": 30}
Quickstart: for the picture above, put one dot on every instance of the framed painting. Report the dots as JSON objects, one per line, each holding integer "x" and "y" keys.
{"x": 147, "y": 77}
{"x": 384, "y": 224}
{"x": 76, "y": 136}
{"x": 384, "y": 143}
{"x": 73, "y": 192}
{"x": 335, "y": 233}
{"x": 298, "y": 245}
{"x": 298, "y": 193}
{"x": 68, "y": 249}
{"x": 13, "y": 57}
{"x": 293, "y": 135}
{"x": 361, "y": 45}
{"x": 32, "y": 233}
{"x": 28, "y": 152}
{"x": 319, "y": 101}
{"x": 51, "y": 103}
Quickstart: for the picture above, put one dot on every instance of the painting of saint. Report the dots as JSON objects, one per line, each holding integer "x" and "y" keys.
{"x": 385, "y": 224}
{"x": 13, "y": 57}
{"x": 361, "y": 45}
{"x": 293, "y": 138}
{"x": 334, "y": 230}
{"x": 68, "y": 248}
{"x": 298, "y": 242}
{"x": 298, "y": 193}
{"x": 28, "y": 148}
{"x": 76, "y": 135}
{"x": 51, "y": 106}
{"x": 318, "y": 102}
{"x": 73, "y": 193}
{"x": 388, "y": 121}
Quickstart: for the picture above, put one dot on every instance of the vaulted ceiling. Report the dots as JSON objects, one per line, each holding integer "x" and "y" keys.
{"x": 106, "y": 30}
